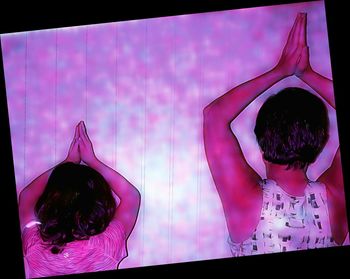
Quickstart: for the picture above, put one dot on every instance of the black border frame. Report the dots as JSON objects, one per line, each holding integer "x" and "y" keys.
{"x": 60, "y": 15}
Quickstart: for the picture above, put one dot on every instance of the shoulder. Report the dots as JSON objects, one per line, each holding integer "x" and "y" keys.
{"x": 115, "y": 229}
{"x": 112, "y": 241}
{"x": 30, "y": 235}
{"x": 115, "y": 232}
{"x": 30, "y": 228}
{"x": 116, "y": 238}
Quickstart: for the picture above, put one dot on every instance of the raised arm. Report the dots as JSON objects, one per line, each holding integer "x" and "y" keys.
{"x": 235, "y": 180}
{"x": 322, "y": 85}
{"x": 128, "y": 208}
{"x": 231, "y": 104}
{"x": 31, "y": 193}
{"x": 333, "y": 176}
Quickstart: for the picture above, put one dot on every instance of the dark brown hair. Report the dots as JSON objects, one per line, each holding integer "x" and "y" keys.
{"x": 292, "y": 128}
{"x": 77, "y": 203}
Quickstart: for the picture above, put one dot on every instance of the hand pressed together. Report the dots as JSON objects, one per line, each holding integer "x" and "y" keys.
{"x": 73, "y": 153}
{"x": 81, "y": 148}
{"x": 295, "y": 55}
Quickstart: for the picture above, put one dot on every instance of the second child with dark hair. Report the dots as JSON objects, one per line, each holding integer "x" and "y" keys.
{"x": 69, "y": 218}
{"x": 286, "y": 211}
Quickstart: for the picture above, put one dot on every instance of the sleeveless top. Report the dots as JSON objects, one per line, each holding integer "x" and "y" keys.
{"x": 100, "y": 252}
{"x": 289, "y": 223}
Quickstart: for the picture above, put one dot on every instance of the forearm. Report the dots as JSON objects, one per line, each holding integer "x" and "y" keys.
{"x": 119, "y": 185}
{"x": 230, "y": 105}
{"x": 31, "y": 193}
{"x": 322, "y": 85}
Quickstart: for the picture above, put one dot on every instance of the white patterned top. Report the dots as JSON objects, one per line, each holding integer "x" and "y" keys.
{"x": 289, "y": 223}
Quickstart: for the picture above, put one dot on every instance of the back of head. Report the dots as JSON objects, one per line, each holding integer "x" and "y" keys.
{"x": 292, "y": 128}
{"x": 76, "y": 204}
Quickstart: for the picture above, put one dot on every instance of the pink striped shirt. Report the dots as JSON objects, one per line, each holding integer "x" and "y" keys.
{"x": 101, "y": 252}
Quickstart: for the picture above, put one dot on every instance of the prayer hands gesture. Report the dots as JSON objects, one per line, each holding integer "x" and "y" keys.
{"x": 295, "y": 55}
{"x": 81, "y": 148}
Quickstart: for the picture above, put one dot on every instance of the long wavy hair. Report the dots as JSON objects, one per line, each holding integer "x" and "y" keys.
{"x": 77, "y": 203}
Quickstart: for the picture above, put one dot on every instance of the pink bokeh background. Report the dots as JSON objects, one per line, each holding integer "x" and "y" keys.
{"x": 141, "y": 86}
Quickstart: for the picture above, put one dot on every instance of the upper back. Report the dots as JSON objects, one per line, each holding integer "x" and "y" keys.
{"x": 289, "y": 223}
{"x": 100, "y": 252}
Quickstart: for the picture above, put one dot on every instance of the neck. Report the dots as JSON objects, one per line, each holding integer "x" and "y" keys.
{"x": 292, "y": 181}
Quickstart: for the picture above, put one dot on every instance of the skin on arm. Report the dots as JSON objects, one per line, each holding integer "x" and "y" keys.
{"x": 236, "y": 182}
{"x": 31, "y": 193}
{"x": 29, "y": 196}
{"x": 128, "y": 208}
{"x": 322, "y": 85}
{"x": 333, "y": 179}
{"x": 333, "y": 176}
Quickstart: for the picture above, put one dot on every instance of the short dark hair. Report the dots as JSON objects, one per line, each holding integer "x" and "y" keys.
{"x": 292, "y": 128}
{"x": 77, "y": 203}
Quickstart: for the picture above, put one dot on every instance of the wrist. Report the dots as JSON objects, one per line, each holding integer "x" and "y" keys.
{"x": 279, "y": 73}
{"x": 94, "y": 163}
{"x": 69, "y": 160}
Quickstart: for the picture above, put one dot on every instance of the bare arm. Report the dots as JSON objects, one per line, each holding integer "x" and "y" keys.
{"x": 333, "y": 179}
{"x": 333, "y": 176}
{"x": 31, "y": 193}
{"x": 128, "y": 208}
{"x": 29, "y": 196}
{"x": 235, "y": 180}
{"x": 322, "y": 85}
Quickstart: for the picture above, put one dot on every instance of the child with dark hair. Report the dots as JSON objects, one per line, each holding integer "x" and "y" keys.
{"x": 292, "y": 128}
{"x": 69, "y": 218}
{"x": 286, "y": 211}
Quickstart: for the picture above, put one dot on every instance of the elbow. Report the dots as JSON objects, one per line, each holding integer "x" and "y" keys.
{"x": 25, "y": 200}
{"x": 209, "y": 114}
{"x": 136, "y": 196}
{"x": 206, "y": 118}
{"x": 207, "y": 110}
{"x": 131, "y": 200}
{"x": 213, "y": 117}
{"x": 215, "y": 110}
{"x": 23, "y": 196}
{"x": 135, "y": 199}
